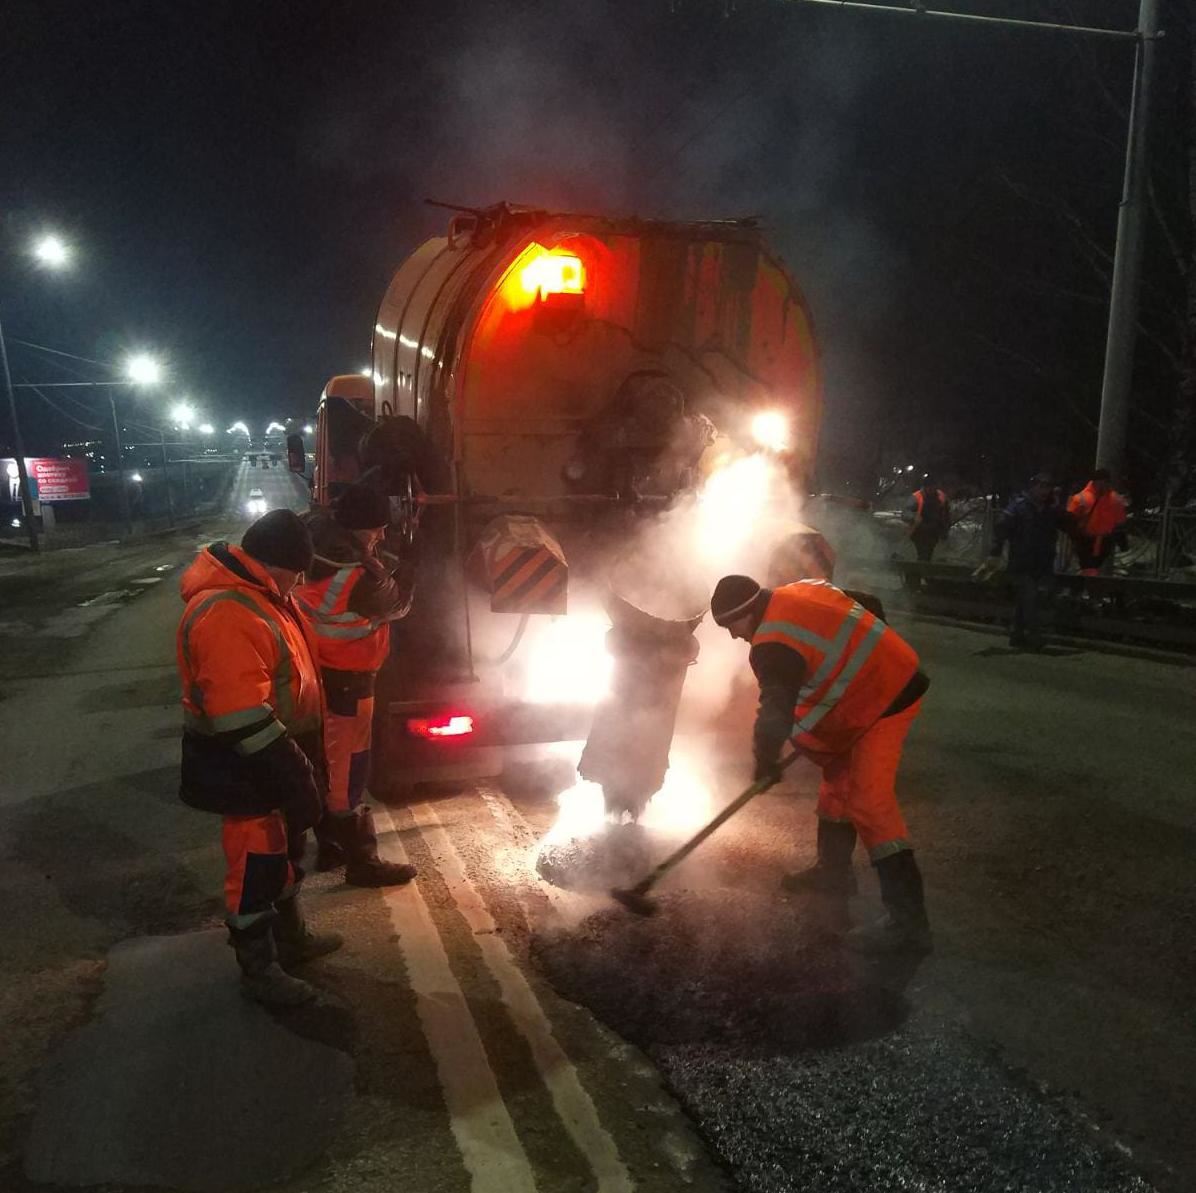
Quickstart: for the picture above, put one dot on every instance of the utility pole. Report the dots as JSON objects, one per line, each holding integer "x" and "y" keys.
{"x": 1127, "y": 259}
{"x": 166, "y": 477}
{"x": 1127, "y": 256}
{"x": 19, "y": 448}
{"x": 126, "y": 514}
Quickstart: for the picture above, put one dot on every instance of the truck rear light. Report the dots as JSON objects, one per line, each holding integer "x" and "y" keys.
{"x": 437, "y": 728}
{"x": 553, "y": 273}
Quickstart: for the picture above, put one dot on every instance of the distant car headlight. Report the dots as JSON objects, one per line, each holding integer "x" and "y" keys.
{"x": 256, "y": 505}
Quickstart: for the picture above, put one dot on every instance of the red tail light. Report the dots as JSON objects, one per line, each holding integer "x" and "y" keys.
{"x": 436, "y": 728}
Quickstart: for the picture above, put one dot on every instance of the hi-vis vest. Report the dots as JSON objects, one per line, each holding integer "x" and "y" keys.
{"x": 855, "y": 665}
{"x": 1097, "y": 515}
{"x": 920, "y": 506}
{"x": 243, "y": 659}
{"x": 346, "y": 640}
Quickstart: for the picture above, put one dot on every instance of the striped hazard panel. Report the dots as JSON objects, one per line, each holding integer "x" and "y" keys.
{"x": 529, "y": 580}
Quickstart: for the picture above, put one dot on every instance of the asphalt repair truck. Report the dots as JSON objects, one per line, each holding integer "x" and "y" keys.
{"x": 545, "y": 388}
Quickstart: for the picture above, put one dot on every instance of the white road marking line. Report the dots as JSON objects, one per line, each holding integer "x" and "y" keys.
{"x": 573, "y": 1105}
{"x": 105, "y": 598}
{"x": 480, "y": 1121}
{"x": 509, "y": 818}
{"x": 150, "y": 580}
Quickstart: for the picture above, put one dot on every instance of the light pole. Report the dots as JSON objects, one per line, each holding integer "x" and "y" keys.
{"x": 1127, "y": 256}
{"x": 53, "y": 253}
{"x": 18, "y": 445}
{"x": 140, "y": 370}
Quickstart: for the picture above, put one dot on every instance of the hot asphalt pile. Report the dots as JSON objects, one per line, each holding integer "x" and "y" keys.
{"x": 805, "y": 1068}
{"x": 619, "y": 856}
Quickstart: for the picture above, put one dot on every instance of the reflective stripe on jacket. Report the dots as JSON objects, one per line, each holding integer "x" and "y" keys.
{"x": 346, "y": 641}
{"x": 245, "y": 656}
{"x": 856, "y": 666}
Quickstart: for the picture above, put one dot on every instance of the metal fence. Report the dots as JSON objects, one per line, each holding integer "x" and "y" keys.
{"x": 158, "y": 498}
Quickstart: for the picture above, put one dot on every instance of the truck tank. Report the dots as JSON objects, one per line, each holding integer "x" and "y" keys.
{"x": 541, "y": 382}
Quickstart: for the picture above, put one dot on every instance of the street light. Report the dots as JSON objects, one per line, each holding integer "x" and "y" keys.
{"x": 206, "y": 429}
{"x": 143, "y": 369}
{"x": 238, "y": 426}
{"x": 140, "y": 369}
{"x": 307, "y": 428}
{"x": 52, "y": 251}
{"x": 183, "y": 415}
{"x": 275, "y": 427}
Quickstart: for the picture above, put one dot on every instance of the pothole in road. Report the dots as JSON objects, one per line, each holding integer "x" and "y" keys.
{"x": 720, "y": 966}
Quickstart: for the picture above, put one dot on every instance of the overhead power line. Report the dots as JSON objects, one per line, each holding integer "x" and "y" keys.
{"x": 58, "y": 352}
{"x": 65, "y": 414}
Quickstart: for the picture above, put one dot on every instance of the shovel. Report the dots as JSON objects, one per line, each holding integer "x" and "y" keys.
{"x": 636, "y": 899}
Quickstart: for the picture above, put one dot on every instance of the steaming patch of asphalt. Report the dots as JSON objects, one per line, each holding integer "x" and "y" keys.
{"x": 620, "y": 856}
{"x": 807, "y": 1069}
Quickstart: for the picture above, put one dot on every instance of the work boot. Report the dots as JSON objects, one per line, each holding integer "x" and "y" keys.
{"x": 904, "y": 927}
{"x": 831, "y": 874}
{"x": 295, "y": 941}
{"x": 262, "y": 978}
{"x": 329, "y": 854}
{"x": 363, "y": 866}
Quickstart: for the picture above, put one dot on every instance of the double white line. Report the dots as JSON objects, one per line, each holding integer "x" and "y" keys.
{"x": 480, "y": 1121}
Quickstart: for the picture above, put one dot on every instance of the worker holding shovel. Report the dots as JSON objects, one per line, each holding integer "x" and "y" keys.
{"x": 845, "y": 689}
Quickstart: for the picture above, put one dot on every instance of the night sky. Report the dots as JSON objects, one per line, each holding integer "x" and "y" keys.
{"x": 241, "y": 179}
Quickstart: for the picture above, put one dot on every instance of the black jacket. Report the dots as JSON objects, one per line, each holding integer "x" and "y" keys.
{"x": 1032, "y": 532}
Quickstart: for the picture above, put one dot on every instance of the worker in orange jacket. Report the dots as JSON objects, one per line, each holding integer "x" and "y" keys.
{"x": 252, "y": 742}
{"x": 844, "y": 689}
{"x": 350, "y": 598}
{"x": 1099, "y": 512}
{"x": 929, "y": 517}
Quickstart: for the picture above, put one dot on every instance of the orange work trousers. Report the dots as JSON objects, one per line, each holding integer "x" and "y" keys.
{"x": 347, "y": 745}
{"x": 859, "y": 786}
{"x": 262, "y": 865}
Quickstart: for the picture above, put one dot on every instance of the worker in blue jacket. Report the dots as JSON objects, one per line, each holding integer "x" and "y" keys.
{"x": 1030, "y": 524}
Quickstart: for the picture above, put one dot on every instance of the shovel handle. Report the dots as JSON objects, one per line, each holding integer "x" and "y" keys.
{"x": 683, "y": 851}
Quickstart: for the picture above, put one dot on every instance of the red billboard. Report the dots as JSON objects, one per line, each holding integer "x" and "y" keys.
{"x": 50, "y": 478}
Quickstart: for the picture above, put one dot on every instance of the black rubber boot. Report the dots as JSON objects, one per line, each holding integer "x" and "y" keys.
{"x": 363, "y": 866}
{"x": 262, "y": 978}
{"x": 904, "y": 927}
{"x": 831, "y": 874}
{"x": 295, "y": 941}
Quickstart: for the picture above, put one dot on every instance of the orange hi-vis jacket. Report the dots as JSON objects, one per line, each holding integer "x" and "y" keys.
{"x": 246, "y": 657}
{"x": 347, "y": 641}
{"x": 1096, "y": 514}
{"x": 856, "y": 666}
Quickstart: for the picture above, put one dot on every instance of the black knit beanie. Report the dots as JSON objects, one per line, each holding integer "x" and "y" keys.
{"x": 361, "y": 508}
{"x": 279, "y": 539}
{"x": 733, "y": 597}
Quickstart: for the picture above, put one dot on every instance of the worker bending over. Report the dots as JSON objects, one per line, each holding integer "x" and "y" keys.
{"x": 253, "y": 742}
{"x": 845, "y": 688}
{"x": 350, "y": 598}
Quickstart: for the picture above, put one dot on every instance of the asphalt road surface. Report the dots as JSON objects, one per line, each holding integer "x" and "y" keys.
{"x": 485, "y": 1030}
{"x": 280, "y": 488}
